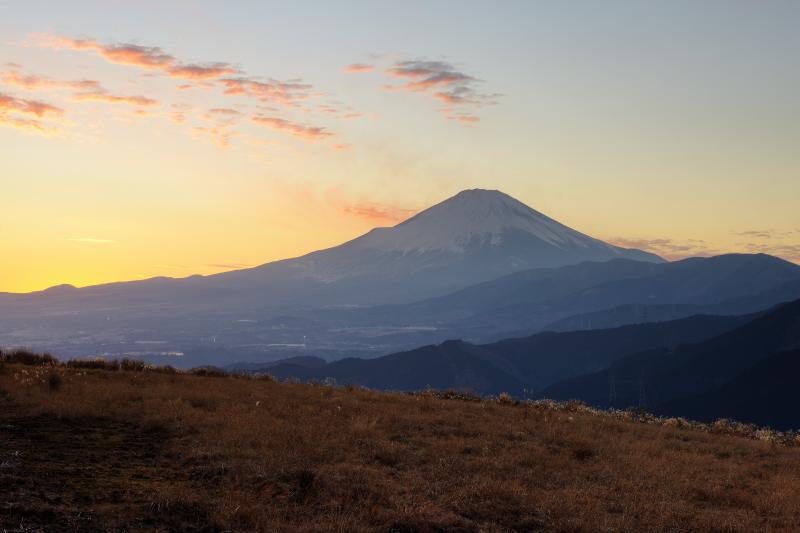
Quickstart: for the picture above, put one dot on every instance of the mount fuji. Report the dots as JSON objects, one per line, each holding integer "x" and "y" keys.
{"x": 475, "y": 236}
{"x": 318, "y": 299}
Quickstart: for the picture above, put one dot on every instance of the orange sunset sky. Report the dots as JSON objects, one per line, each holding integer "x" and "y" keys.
{"x": 171, "y": 138}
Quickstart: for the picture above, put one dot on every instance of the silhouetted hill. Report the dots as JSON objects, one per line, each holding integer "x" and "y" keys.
{"x": 514, "y": 365}
{"x": 767, "y": 394}
{"x": 654, "y": 377}
{"x": 726, "y": 284}
{"x": 633, "y": 313}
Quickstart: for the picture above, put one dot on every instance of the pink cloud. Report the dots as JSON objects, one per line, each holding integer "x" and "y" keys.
{"x": 358, "y": 68}
{"x": 201, "y": 72}
{"x": 32, "y": 112}
{"x": 445, "y": 83}
{"x": 220, "y": 135}
{"x": 33, "y": 82}
{"x": 103, "y": 96}
{"x": 224, "y": 111}
{"x": 286, "y": 93}
{"x": 379, "y": 213}
{"x": 308, "y": 133}
{"x": 9, "y": 104}
{"x": 149, "y": 57}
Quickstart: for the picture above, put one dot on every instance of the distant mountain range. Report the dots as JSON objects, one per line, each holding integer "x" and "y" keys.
{"x": 727, "y": 375}
{"x": 479, "y": 267}
{"x": 701, "y": 367}
{"x": 519, "y": 366}
{"x": 477, "y": 235}
{"x": 599, "y": 295}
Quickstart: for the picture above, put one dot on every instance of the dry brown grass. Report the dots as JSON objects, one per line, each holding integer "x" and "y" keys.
{"x": 111, "y": 450}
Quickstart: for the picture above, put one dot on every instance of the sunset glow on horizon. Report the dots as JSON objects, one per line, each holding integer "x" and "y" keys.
{"x": 144, "y": 139}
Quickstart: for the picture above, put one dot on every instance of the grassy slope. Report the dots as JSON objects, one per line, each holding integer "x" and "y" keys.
{"x": 110, "y": 451}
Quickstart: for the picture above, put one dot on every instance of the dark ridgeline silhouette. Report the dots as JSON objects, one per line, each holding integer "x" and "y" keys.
{"x": 748, "y": 373}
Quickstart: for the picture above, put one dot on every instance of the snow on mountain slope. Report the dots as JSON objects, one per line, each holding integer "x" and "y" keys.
{"x": 475, "y": 215}
{"x": 477, "y": 235}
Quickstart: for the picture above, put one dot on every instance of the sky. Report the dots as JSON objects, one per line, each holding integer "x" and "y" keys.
{"x": 143, "y": 138}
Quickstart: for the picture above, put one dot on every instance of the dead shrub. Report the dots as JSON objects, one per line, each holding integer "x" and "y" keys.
{"x": 209, "y": 372}
{"x": 26, "y": 357}
{"x": 506, "y": 399}
{"x": 97, "y": 363}
{"x": 131, "y": 365}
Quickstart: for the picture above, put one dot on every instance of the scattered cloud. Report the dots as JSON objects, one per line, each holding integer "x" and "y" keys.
{"x": 763, "y": 233}
{"x": 11, "y": 64}
{"x": 339, "y": 113}
{"x": 224, "y": 111}
{"x": 220, "y": 135}
{"x": 202, "y": 72}
{"x": 104, "y": 96}
{"x": 32, "y": 82}
{"x": 146, "y": 57}
{"x": 667, "y": 248}
{"x": 307, "y": 133}
{"x": 358, "y": 68}
{"x": 460, "y": 116}
{"x": 445, "y": 83}
{"x": 28, "y": 115}
{"x": 287, "y": 93}
{"x": 270, "y": 94}
{"x": 9, "y": 104}
{"x": 379, "y": 213}
{"x": 91, "y": 240}
{"x": 149, "y": 57}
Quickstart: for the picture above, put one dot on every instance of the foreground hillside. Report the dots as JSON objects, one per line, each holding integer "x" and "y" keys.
{"x": 99, "y": 450}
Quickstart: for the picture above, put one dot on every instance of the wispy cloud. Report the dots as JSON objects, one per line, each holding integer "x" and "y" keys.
{"x": 307, "y": 133}
{"x": 33, "y": 82}
{"x": 146, "y": 57}
{"x": 28, "y": 115}
{"x": 202, "y": 72}
{"x": 764, "y": 233}
{"x": 358, "y": 68}
{"x": 105, "y": 97}
{"x": 91, "y": 240}
{"x": 27, "y": 107}
{"x": 287, "y": 93}
{"x": 269, "y": 94}
{"x": 220, "y": 135}
{"x": 149, "y": 57}
{"x": 379, "y": 213}
{"x": 667, "y": 248}
{"x": 444, "y": 82}
{"x": 224, "y": 111}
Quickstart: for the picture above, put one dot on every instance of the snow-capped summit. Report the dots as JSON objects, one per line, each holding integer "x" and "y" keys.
{"x": 477, "y": 235}
{"x": 473, "y": 216}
